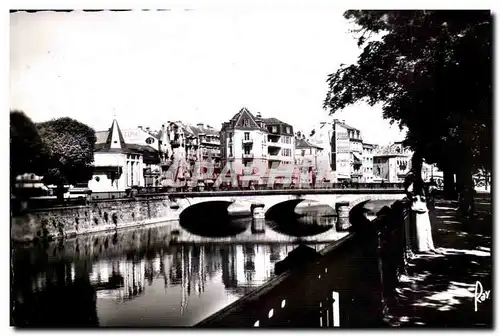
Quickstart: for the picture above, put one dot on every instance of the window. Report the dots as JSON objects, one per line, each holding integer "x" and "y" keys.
{"x": 288, "y": 129}
{"x": 274, "y": 129}
{"x": 247, "y": 150}
{"x": 246, "y": 122}
{"x": 247, "y": 135}
{"x": 150, "y": 140}
{"x": 303, "y": 152}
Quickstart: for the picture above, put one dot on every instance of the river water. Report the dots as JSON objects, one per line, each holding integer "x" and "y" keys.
{"x": 138, "y": 278}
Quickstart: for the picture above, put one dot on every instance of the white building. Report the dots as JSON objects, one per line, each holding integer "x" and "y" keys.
{"x": 308, "y": 159}
{"x": 121, "y": 163}
{"x": 322, "y": 137}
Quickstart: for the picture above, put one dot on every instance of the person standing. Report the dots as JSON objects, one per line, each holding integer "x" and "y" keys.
{"x": 415, "y": 190}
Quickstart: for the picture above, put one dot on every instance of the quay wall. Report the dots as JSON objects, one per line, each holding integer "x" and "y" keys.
{"x": 98, "y": 216}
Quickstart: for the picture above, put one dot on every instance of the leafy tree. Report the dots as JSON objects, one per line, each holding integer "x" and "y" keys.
{"x": 27, "y": 150}
{"x": 70, "y": 146}
{"x": 431, "y": 70}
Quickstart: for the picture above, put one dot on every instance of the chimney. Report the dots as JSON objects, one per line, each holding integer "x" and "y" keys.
{"x": 147, "y": 129}
{"x": 258, "y": 115}
{"x": 140, "y": 127}
{"x": 199, "y": 124}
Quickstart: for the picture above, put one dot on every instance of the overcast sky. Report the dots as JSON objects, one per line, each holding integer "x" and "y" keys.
{"x": 194, "y": 66}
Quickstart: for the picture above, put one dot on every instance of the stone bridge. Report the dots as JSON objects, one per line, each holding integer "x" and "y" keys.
{"x": 206, "y": 214}
{"x": 191, "y": 205}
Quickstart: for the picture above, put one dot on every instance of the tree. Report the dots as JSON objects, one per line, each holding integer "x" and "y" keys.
{"x": 70, "y": 147}
{"x": 27, "y": 151}
{"x": 431, "y": 70}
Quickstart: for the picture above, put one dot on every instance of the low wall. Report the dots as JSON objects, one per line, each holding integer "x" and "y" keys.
{"x": 94, "y": 217}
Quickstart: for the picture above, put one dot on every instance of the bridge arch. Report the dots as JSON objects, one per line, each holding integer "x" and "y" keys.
{"x": 208, "y": 207}
{"x": 286, "y": 208}
{"x": 362, "y": 199}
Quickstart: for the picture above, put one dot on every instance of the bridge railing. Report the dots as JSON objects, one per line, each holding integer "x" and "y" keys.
{"x": 350, "y": 285}
{"x": 317, "y": 186}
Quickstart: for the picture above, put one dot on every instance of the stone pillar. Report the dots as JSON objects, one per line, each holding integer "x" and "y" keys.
{"x": 342, "y": 209}
{"x": 258, "y": 211}
{"x": 259, "y": 218}
{"x": 258, "y": 225}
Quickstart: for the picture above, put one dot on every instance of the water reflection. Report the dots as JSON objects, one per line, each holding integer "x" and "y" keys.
{"x": 134, "y": 279}
{"x": 305, "y": 222}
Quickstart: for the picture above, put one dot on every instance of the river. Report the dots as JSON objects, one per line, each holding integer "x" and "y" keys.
{"x": 138, "y": 278}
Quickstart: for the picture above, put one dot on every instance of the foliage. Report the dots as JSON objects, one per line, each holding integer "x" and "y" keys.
{"x": 71, "y": 150}
{"x": 27, "y": 150}
{"x": 431, "y": 70}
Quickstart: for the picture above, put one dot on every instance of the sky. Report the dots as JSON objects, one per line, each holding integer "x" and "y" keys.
{"x": 198, "y": 66}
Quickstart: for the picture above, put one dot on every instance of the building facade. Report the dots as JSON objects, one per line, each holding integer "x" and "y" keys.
{"x": 391, "y": 163}
{"x": 367, "y": 166}
{"x": 307, "y": 159}
{"x": 191, "y": 153}
{"x": 124, "y": 162}
{"x": 252, "y": 145}
{"x": 321, "y": 137}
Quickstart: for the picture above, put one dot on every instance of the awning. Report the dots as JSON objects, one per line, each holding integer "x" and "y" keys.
{"x": 357, "y": 158}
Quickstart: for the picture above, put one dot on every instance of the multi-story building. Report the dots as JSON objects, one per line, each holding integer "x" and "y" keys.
{"x": 346, "y": 152}
{"x": 251, "y": 145}
{"x": 280, "y": 142}
{"x": 322, "y": 137}
{"x": 307, "y": 159}
{"x": 203, "y": 145}
{"x": 367, "y": 166}
{"x": 124, "y": 159}
{"x": 391, "y": 163}
{"x": 343, "y": 152}
{"x": 191, "y": 152}
{"x": 356, "y": 151}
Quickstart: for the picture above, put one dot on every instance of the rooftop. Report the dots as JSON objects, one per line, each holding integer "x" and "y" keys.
{"x": 303, "y": 143}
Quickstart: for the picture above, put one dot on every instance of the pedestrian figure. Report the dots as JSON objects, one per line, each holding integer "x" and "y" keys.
{"x": 415, "y": 190}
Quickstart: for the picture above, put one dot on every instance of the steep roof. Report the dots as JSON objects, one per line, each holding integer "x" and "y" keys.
{"x": 101, "y": 136}
{"x": 115, "y": 136}
{"x": 198, "y": 129}
{"x": 240, "y": 117}
{"x": 303, "y": 144}
{"x": 112, "y": 141}
{"x": 272, "y": 121}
